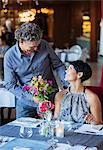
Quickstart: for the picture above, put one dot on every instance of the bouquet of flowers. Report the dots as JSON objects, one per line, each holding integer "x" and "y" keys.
{"x": 40, "y": 89}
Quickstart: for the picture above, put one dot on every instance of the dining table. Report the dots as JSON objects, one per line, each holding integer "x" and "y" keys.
{"x": 88, "y": 140}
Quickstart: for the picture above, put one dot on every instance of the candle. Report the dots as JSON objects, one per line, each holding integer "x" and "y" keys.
{"x": 60, "y": 131}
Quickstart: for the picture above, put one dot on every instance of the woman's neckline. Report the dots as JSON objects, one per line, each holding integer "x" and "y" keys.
{"x": 82, "y": 90}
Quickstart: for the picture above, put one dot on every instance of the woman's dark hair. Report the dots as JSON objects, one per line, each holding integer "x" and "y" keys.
{"x": 81, "y": 66}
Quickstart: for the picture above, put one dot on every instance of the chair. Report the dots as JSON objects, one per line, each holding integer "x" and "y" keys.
{"x": 61, "y": 53}
{"x": 101, "y": 80}
{"x": 75, "y": 53}
{"x": 99, "y": 92}
{"x": 7, "y": 100}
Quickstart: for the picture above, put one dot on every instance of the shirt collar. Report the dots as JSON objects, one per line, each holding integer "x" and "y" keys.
{"x": 18, "y": 49}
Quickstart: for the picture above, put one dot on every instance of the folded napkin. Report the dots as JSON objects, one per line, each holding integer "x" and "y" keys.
{"x": 5, "y": 139}
{"x": 27, "y": 122}
{"x": 62, "y": 146}
{"x": 21, "y": 148}
{"x": 90, "y": 129}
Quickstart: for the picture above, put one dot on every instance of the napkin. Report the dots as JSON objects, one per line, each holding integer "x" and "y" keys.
{"x": 90, "y": 129}
{"x": 62, "y": 146}
{"x": 21, "y": 148}
{"x": 27, "y": 122}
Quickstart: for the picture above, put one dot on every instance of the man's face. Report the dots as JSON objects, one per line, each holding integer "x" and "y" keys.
{"x": 28, "y": 47}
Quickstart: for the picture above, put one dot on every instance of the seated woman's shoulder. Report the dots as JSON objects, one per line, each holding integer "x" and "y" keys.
{"x": 91, "y": 94}
{"x": 60, "y": 94}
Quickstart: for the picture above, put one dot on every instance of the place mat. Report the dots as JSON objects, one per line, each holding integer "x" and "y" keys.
{"x": 27, "y": 122}
{"x": 26, "y": 143}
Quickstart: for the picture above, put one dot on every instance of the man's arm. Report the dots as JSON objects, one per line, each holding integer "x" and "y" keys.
{"x": 10, "y": 82}
{"x": 57, "y": 65}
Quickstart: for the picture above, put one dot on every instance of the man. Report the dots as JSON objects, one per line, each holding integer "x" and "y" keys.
{"x": 30, "y": 56}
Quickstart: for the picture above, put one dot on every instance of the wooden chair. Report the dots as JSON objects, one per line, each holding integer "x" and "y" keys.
{"x": 7, "y": 100}
{"x": 101, "y": 80}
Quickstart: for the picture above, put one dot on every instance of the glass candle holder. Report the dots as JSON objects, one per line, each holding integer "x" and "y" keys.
{"x": 59, "y": 131}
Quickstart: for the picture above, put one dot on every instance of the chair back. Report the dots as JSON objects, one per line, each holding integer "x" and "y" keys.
{"x": 75, "y": 53}
{"x": 101, "y": 80}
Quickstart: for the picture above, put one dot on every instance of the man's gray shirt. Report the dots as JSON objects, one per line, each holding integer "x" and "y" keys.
{"x": 19, "y": 68}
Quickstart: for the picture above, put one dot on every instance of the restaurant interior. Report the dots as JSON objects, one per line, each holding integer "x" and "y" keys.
{"x": 65, "y": 23}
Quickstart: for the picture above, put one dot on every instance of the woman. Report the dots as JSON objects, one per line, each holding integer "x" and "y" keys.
{"x": 78, "y": 104}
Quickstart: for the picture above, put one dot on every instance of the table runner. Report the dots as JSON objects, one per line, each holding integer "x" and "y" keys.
{"x": 72, "y": 137}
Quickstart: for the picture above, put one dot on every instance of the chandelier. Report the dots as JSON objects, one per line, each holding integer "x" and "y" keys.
{"x": 5, "y": 2}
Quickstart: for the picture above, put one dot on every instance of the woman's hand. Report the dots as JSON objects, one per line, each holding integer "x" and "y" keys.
{"x": 35, "y": 100}
{"x": 89, "y": 118}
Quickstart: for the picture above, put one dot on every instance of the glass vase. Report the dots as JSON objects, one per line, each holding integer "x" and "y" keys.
{"x": 48, "y": 116}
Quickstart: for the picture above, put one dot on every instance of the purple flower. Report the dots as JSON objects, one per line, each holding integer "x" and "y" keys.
{"x": 44, "y": 91}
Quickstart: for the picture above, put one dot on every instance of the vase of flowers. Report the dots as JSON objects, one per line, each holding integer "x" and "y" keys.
{"x": 45, "y": 110}
{"x": 40, "y": 89}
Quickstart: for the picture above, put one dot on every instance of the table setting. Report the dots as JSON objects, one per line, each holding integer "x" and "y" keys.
{"x": 47, "y": 133}
{"x": 55, "y": 137}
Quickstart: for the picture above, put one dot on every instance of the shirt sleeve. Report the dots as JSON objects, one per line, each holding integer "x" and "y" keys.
{"x": 57, "y": 65}
{"x": 11, "y": 80}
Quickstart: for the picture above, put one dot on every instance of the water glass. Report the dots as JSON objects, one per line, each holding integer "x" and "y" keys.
{"x": 51, "y": 129}
{"x": 25, "y": 132}
{"x": 51, "y": 132}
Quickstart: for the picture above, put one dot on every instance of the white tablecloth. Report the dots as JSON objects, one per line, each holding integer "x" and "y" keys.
{"x": 7, "y": 99}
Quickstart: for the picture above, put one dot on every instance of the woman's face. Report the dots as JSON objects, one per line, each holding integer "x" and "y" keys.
{"x": 71, "y": 74}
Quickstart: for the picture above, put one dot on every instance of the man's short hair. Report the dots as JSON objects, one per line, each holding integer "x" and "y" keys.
{"x": 28, "y": 32}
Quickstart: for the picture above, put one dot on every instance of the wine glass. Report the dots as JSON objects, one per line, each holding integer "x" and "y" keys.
{"x": 25, "y": 132}
{"x": 52, "y": 141}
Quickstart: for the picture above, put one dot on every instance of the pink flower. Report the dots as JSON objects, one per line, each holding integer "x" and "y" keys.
{"x": 49, "y": 82}
{"x": 26, "y": 88}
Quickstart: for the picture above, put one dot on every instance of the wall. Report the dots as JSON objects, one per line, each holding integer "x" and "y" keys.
{"x": 68, "y": 20}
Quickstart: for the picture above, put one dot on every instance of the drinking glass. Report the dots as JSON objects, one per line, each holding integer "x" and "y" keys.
{"x": 25, "y": 132}
{"x": 51, "y": 132}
